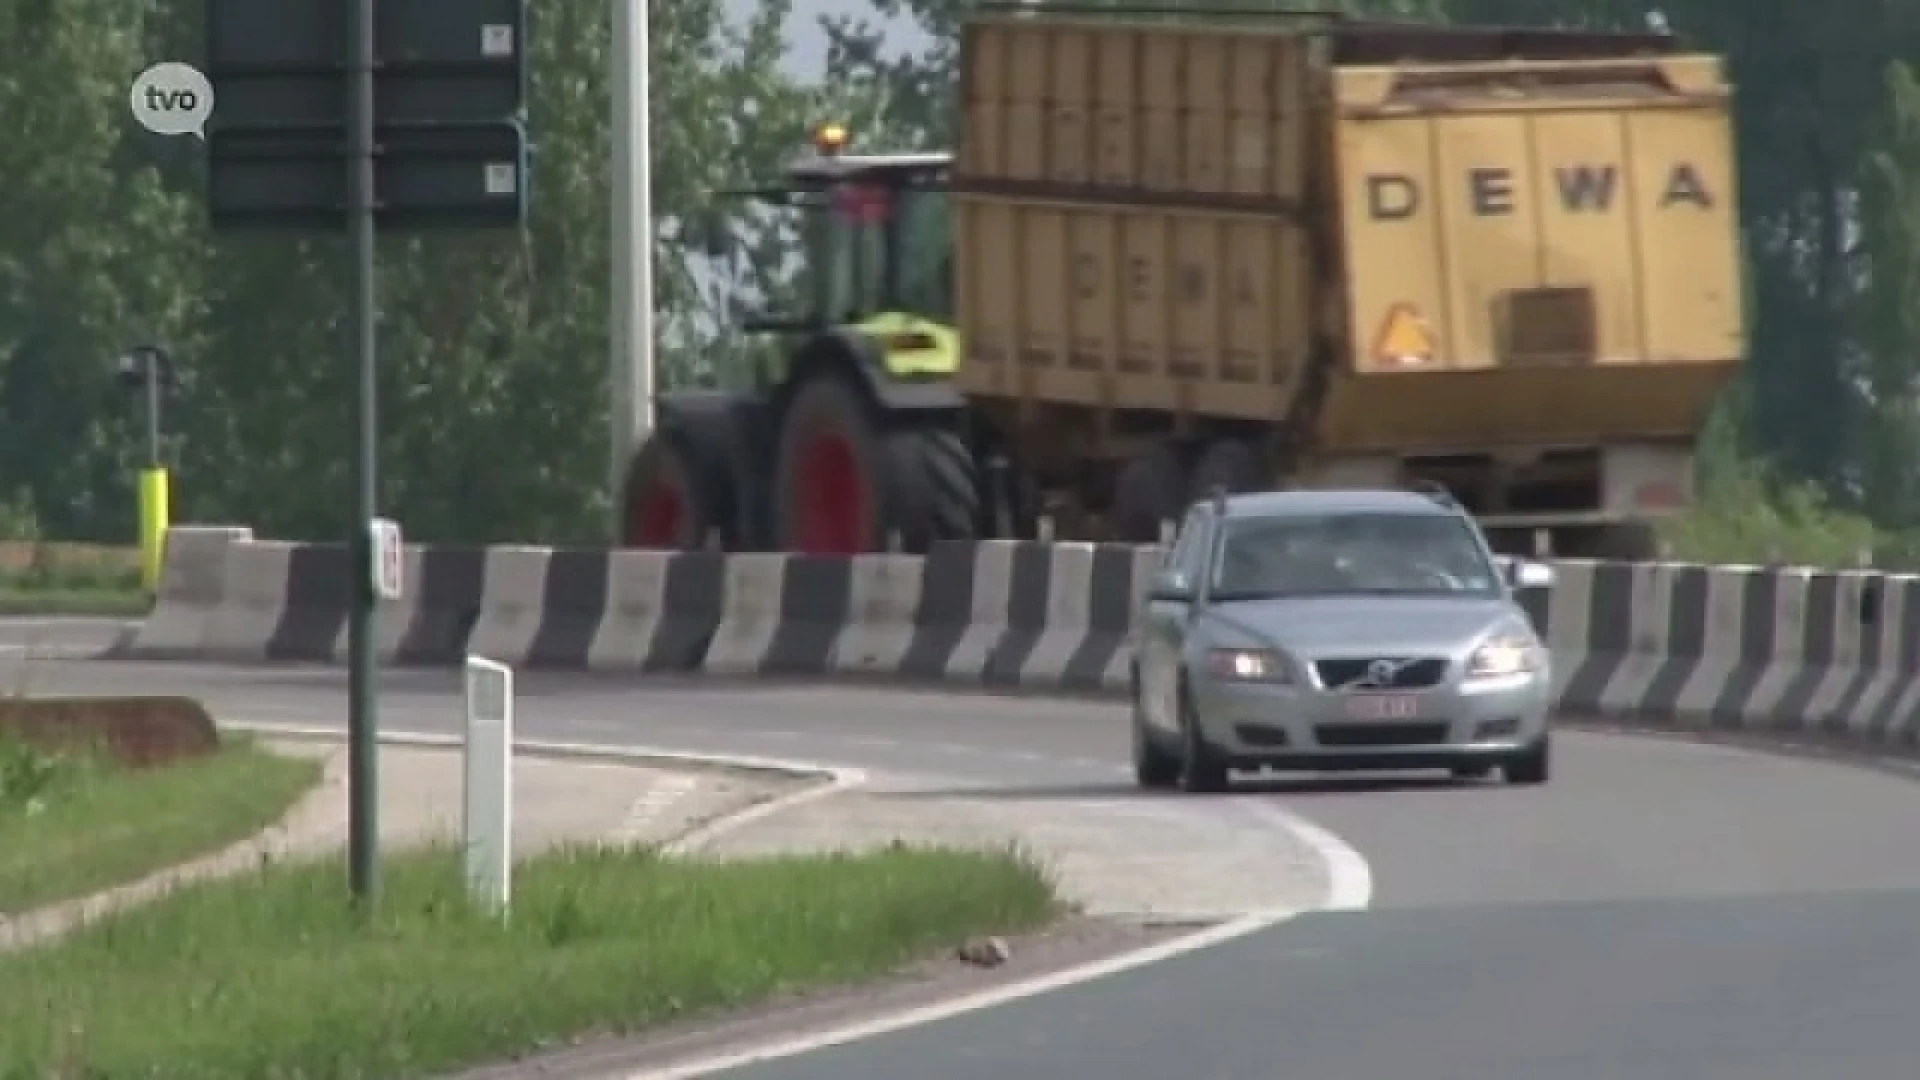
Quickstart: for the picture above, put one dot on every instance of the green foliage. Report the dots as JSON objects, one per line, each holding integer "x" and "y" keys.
{"x": 94, "y": 255}
{"x": 494, "y": 347}
{"x": 1753, "y": 518}
{"x": 30, "y": 778}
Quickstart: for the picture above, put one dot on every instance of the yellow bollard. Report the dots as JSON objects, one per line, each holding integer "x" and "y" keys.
{"x": 153, "y": 526}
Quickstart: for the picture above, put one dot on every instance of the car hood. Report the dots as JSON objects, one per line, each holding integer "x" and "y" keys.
{"x": 1365, "y": 625}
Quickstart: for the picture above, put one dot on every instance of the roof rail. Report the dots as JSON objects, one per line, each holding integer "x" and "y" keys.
{"x": 1435, "y": 491}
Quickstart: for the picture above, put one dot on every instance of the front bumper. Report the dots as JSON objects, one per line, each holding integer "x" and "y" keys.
{"x": 1260, "y": 724}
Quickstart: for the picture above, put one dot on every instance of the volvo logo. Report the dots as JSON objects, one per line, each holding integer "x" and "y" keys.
{"x": 1379, "y": 674}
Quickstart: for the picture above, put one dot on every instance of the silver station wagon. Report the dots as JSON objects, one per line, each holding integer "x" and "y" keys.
{"x": 1337, "y": 630}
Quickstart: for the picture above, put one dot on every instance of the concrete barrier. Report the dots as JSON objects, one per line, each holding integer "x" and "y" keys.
{"x": 1740, "y": 648}
{"x": 193, "y": 572}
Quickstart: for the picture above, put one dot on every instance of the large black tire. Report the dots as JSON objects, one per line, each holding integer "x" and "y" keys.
{"x": 934, "y": 487}
{"x": 1150, "y": 489}
{"x": 849, "y": 480}
{"x": 1233, "y": 464}
{"x": 682, "y": 487}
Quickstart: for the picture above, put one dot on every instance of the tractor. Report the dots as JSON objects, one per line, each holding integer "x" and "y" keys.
{"x": 856, "y": 440}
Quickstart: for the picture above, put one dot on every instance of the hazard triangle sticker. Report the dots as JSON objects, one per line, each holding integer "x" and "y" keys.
{"x": 1405, "y": 339}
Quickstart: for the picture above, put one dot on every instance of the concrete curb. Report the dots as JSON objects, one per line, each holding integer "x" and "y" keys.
{"x": 831, "y": 779}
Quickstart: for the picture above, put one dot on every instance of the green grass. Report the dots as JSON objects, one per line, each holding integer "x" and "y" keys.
{"x": 46, "y": 583}
{"x": 15, "y": 600}
{"x": 72, "y": 825}
{"x": 271, "y": 974}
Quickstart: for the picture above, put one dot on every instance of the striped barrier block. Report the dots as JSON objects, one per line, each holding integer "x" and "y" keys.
{"x": 192, "y": 584}
{"x": 1738, "y": 648}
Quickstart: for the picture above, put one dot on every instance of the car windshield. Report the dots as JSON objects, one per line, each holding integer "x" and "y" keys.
{"x": 1369, "y": 552}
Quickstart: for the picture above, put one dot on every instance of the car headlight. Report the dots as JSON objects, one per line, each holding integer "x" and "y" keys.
{"x": 1246, "y": 665}
{"x": 1504, "y": 655}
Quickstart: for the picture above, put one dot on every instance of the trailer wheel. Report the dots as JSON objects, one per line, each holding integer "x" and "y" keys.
{"x": 1232, "y": 464}
{"x": 829, "y": 472}
{"x": 1150, "y": 489}
{"x": 680, "y": 486}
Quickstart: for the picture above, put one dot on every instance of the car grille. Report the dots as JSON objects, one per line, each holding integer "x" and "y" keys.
{"x": 1380, "y": 734}
{"x": 1415, "y": 673}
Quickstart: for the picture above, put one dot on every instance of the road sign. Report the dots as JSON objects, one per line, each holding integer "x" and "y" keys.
{"x": 425, "y": 177}
{"x": 450, "y": 85}
{"x": 281, "y": 66}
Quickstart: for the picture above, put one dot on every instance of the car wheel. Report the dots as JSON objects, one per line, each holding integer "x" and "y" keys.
{"x": 1472, "y": 770}
{"x": 1153, "y": 767}
{"x": 1530, "y": 766}
{"x": 1201, "y": 770}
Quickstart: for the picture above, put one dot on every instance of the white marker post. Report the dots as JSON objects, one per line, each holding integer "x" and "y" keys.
{"x": 172, "y": 99}
{"x": 488, "y": 824}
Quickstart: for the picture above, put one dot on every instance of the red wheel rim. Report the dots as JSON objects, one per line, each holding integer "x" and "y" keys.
{"x": 833, "y": 498}
{"x": 657, "y": 517}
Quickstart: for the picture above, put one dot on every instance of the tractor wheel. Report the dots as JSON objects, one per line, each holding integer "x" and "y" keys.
{"x": 1150, "y": 489}
{"x": 933, "y": 489}
{"x": 681, "y": 488}
{"x": 1226, "y": 463}
{"x": 830, "y": 473}
{"x": 846, "y": 484}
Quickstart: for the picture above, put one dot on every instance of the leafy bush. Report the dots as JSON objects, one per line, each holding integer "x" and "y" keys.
{"x": 30, "y": 776}
{"x": 1746, "y": 516}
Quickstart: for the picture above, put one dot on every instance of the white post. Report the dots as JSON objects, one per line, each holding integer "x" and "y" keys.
{"x": 487, "y": 825}
{"x": 630, "y": 308}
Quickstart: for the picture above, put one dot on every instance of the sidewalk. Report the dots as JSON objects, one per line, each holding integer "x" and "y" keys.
{"x": 556, "y": 801}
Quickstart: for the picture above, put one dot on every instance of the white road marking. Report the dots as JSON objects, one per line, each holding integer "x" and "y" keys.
{"x": 1349, "y": 878}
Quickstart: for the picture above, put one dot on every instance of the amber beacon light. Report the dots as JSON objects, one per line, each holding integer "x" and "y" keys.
{"x": 830, "y": 139}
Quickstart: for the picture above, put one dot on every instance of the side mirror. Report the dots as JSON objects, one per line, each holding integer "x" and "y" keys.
{"x": 1171, "y": 585}
{"x": 1532, "y": 575}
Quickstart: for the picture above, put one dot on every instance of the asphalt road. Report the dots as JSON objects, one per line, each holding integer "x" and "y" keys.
{"x": 1663, "y": 909}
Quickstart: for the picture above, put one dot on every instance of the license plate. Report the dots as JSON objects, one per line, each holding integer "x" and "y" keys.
{"x": 1383, "y": 707}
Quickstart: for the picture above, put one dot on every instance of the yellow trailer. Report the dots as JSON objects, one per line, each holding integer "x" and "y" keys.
{"x": 1516, "y": 275}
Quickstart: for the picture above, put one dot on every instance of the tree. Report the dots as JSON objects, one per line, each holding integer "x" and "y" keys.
{"x": 1889, "y": 309}
{"x": 93, "y": 258}
{"x": 493, "y": 347}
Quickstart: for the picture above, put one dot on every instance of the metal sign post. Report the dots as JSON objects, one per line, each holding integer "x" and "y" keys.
{"x": 382, "y": 114}
{"x": 363, "y": 728}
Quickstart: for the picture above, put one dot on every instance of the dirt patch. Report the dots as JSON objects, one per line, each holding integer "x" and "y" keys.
{"x": 1070, "y": 943}
{"x": 138, "y": 731}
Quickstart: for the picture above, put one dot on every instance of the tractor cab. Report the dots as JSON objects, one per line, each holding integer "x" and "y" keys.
{"x": 876, "y": 236}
